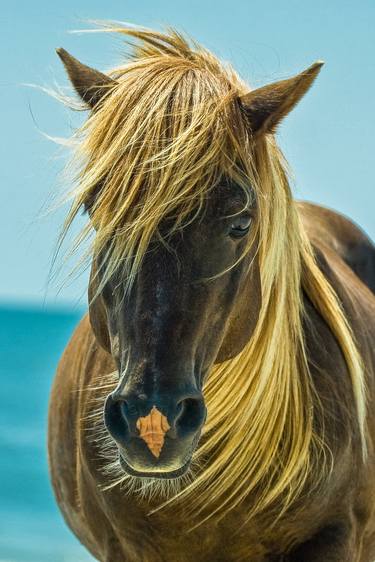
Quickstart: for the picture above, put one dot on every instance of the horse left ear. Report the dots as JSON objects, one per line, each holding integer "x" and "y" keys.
{"x": 265, "y": 107}
{"x": 90, "y": 84}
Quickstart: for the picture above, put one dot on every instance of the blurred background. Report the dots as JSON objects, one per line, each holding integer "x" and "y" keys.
{"x": 328, "y": 141}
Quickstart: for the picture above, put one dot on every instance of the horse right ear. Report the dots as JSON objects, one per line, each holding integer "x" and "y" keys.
{"x": 90, "y": 84}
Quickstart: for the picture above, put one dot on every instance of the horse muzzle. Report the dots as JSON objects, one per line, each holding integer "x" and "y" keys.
{"x": 155, "y": 436}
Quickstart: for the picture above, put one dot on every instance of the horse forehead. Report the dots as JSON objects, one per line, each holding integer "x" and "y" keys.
{"x": 167, "y": 281}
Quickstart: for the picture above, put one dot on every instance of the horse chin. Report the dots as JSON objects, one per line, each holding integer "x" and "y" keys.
{"x": 158, "y": 474}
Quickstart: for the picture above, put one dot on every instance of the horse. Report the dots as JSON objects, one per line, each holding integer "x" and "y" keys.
{"x": 216, "y": 403}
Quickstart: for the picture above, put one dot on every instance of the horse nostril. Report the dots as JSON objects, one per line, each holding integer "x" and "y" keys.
{"x": 129, "y": 408}
{"x": 115, "y": 418}
{"x": 190, "y": 414}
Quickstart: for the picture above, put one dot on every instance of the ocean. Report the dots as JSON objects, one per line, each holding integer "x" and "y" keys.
{"x": 31, "y": 527}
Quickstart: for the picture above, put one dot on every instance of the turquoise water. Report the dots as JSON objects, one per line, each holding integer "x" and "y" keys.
{"x": 31, "y": 527}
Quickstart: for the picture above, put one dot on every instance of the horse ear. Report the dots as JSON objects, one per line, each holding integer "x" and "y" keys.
{"x": 90, "y": 84}
{"x": 265, "y": 107}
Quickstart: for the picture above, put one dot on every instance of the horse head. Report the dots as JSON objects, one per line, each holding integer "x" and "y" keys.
{"x": 195, "y": 293}
{"x": 182, "y": 315}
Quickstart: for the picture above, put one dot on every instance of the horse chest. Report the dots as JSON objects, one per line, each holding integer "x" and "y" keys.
{"x": 167, "y": 538}
{"x": 173, "y": 542}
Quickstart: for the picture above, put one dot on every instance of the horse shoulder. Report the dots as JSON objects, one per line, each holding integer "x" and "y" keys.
{"x": 354, "y": 491}
{"x": 340, "y": 234}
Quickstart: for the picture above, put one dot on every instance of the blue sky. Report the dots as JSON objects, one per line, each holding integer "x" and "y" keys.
{"x": 328, "y": 139}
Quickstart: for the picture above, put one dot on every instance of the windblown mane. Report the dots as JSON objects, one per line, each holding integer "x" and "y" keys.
{"x": 159, "y": 142}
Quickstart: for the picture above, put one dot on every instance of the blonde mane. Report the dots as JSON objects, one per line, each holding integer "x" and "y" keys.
{"x": 155, "y": 147}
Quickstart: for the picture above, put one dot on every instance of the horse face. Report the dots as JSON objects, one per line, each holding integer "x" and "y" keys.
{"x": 182, "y": 315}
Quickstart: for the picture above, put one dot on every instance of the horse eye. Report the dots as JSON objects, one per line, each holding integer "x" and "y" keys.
{"x": 240, "y": 226}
